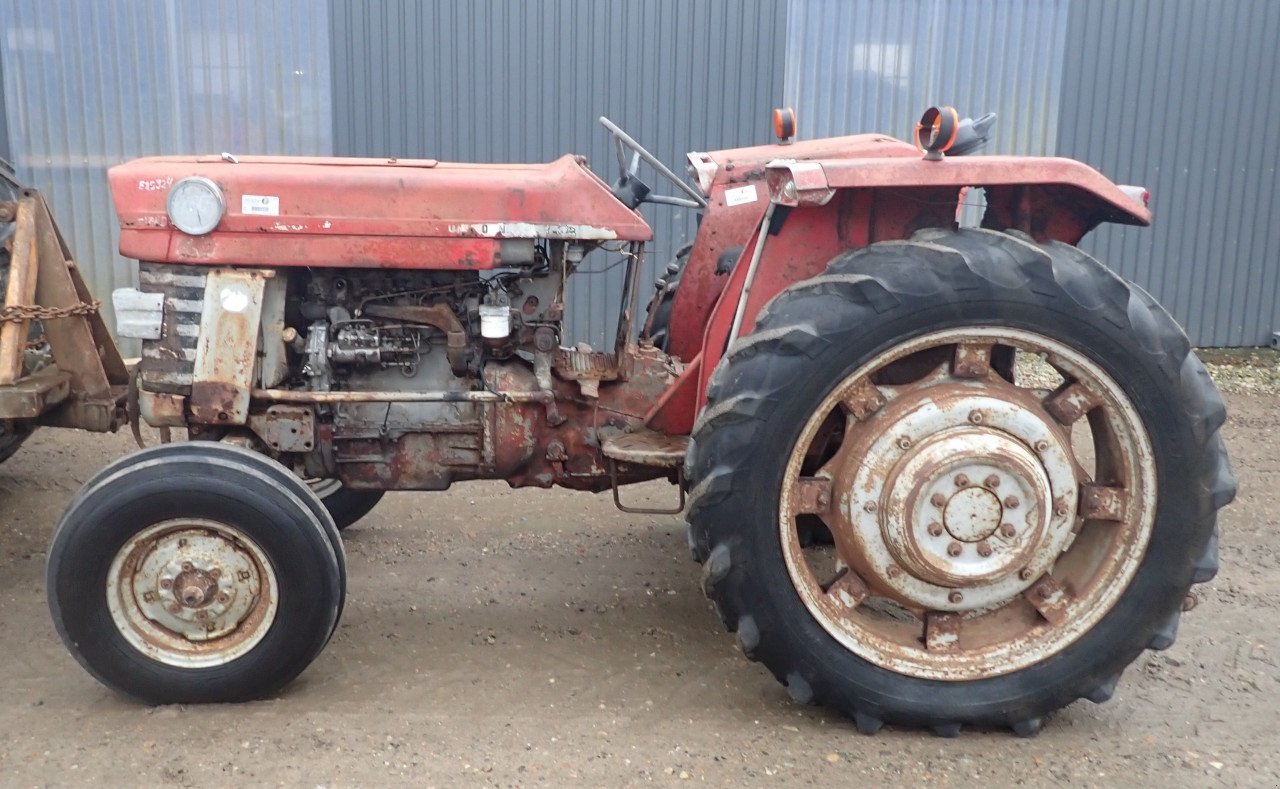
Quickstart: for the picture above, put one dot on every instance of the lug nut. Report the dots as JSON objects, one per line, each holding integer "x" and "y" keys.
{"x": 1011, "y": 502}
{"x": 1061, "y": 510}
{"x": 165, "y": 583}
{"x": 224, "y": 597}
{"x": 1007, "y": 530}
{"x": 984, "y": 550}
{"x": 993, "y": 481}
{"x": 186, "y": 567}
{"x": 904, "y": 443}
{"x": 962, "y": 481}
{"x": 975, "y": 417}
{"x": 215, "y": 573}
{"x": 1041, "y": 445}
{"x": 954, "y": 549}
{"x": 893, "y": 571}
{"x": 1024, "y": 574}
{"x": 937, "y": 500}
{"x": 955, "y": 597}
{"x": 870, "y": 506}
{"x": 935, "y": 529}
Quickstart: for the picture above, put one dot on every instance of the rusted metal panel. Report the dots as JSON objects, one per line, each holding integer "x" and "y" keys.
{"x": 392, "y": 214}
{"x": 160, "y": 409}
{"x": 33, "y": 395}
{"x": 286, "y": 428}
{"x": 227, "y": 349}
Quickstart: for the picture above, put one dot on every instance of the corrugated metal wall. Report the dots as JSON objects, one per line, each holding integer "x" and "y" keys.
{"x": 88, "y": 85}
{"x": 1182, "y": 96}
{"x": 875, "y": 65}
{"x": 498, "y": 81}
{"x": 1159, "y": 92}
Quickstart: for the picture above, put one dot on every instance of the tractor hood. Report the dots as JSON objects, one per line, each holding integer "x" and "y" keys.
{"x": 392, "y": 213}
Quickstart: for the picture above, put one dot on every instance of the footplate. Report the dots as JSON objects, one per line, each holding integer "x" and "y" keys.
{"x": 646, "y": 448}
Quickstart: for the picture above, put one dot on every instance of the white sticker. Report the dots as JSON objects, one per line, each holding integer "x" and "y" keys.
{"x": 262, "y": 205}
{"x": 740, "y": 195}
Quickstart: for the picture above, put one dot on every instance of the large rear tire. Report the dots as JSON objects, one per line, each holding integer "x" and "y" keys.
{"x": 1000, "y": 551}
{"x": 195, "y": 573}
{"x": 345, "y": 505}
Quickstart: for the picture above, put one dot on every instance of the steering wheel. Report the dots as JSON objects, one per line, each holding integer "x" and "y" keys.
{"x": 630, "y": 189}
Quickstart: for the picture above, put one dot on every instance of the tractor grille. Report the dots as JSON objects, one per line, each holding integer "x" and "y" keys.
{"x": 168, "y": 363}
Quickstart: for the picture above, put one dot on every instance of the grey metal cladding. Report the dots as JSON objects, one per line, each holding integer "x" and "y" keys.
{"x": 1177, "y": 95}
{"x": 88, "y": 85}
{"x": 874, "y": 65}
{"x": 500, "y": 81}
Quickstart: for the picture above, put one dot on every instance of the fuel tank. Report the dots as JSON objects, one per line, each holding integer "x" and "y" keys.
{"x": 379, "y": 213}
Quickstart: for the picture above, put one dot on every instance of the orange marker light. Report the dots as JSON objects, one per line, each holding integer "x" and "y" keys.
{"x": 784, "y": 124}
{"x": 936, "y": 132}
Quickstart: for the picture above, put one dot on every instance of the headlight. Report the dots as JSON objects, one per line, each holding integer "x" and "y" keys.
{"x": 196, "y": 205}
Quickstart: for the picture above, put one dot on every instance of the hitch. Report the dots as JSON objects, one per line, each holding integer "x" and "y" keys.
{"x": 85, "y": 385}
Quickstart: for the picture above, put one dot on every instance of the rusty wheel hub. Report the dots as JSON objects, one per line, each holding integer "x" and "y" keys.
{"x": 192, "y": 592}
{"x": 939, "y": 482}
{"x": 972, "y": 535}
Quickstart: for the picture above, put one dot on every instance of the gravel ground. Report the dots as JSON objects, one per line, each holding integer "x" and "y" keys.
{"x": 528, "y": 637}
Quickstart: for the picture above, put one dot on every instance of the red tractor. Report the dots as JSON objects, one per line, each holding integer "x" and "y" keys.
{"x": 937, "y": 474}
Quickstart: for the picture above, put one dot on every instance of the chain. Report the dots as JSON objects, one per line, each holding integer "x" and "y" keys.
{"x": 22, "y": 312}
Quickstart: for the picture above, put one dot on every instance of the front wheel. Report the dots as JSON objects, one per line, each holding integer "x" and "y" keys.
{"x": 1002, "y": 547}
{"x": 189, "y": 573}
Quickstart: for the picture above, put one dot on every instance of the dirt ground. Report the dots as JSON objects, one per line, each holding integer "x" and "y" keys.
{"x": 514, "y": 638}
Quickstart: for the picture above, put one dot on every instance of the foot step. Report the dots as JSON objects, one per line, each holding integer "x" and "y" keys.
{"x": 646, "y": 448}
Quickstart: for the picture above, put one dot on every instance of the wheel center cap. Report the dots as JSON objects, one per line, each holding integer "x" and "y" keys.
{"x": 972, "y": 515}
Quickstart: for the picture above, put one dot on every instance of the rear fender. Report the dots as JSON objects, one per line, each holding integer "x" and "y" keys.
{"x": 822, "y": 208}
{"x": 1046, "y": 197}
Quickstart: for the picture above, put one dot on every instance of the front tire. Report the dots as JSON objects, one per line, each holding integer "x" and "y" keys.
{"x": 190, "y": 573}
{"x": 989, "y": 567}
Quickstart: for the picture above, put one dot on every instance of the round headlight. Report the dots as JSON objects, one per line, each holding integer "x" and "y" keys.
{"x": 196, "y": 205}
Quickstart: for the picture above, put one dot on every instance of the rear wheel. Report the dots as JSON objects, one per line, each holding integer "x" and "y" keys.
{"x": 190, "y": 573}
{"x": 1000, "y": 549}
{"x": 344, "y": 504}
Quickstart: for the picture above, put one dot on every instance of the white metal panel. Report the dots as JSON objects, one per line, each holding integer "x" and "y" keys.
{"x": 875, "y": 65}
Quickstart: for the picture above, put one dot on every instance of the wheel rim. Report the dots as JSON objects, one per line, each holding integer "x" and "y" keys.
{"x": 192, "y": 593}
{"x": 972, "y": 535}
